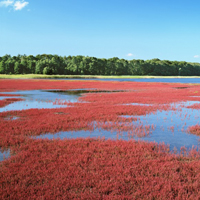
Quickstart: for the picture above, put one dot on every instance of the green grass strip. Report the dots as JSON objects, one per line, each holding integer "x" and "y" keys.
{"x": 41, "y": 76}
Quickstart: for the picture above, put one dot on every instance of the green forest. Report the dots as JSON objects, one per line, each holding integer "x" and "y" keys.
{"x": 84, "y": 65}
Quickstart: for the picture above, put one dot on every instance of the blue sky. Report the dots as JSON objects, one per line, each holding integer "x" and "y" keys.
{"x": 129, "y": 29}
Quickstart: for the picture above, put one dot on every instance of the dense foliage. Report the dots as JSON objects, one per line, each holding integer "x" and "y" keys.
{"x": 98, "y": 169}
{"x": 81, "y": 65}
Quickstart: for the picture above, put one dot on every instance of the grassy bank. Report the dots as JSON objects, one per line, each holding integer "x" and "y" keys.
{"x": 41, "y": 76}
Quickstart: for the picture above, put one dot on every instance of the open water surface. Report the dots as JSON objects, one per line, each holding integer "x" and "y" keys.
{"x": 37, "y": 99}
{"x": 158, "y": 80}
{"x": 4, "y": 155}
{"x": 170, "y": 127}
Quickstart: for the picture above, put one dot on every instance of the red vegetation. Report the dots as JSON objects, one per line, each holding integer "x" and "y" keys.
{"x": 95, "y": 168}
{"x": 144, "y": 92}
{"x": 194, "y": 106}
{"x": 94, "y": 110}
{"x": 194, "y": 129}
{"x": 98, "y": 169}
{"x": 8, "y": 101}
{"x": 9, "y": 95}
{"x": 79, "y": 117}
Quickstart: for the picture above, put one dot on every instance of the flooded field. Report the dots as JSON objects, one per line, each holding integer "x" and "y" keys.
{"x": 169, "y": 126}
{"x": 89, "y": 133}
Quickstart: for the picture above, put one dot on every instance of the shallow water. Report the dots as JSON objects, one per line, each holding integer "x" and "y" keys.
{"x": 175, "y": 140}
{"x": 38, "y": 99}
{"x": 170, "y": 126}
{"x": 4, "y": 155}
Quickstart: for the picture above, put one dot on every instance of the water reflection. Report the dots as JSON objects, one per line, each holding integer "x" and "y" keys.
{"x": 170, "y": 127}
{"x": 175, "y": 140}
{"x": 158, "y": 80}
{"x": 4, "y": 155}
{"x": 38, "y": 99}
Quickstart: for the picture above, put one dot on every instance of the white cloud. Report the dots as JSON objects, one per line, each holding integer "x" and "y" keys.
{"x": 130, "y": 55}
{"x": 6, "y": 3}
{"x": 20, "y": 4}
{"x": 196, "y": 56}
{"x": 17, "y": 5}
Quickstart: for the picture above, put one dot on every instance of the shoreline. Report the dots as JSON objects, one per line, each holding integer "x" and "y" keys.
{"x": 41, "y": 76}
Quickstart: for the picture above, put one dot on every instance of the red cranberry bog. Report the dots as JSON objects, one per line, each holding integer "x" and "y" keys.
{"x": 99, "y": 140}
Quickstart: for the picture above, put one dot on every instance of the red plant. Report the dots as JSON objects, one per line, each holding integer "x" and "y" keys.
{"x": 8, "y": 101}
{"x": 194, "y": 106}
{"x": 194, "y": 129}
{"x": 96, "y": 168}
{"x": 101, "y": 110}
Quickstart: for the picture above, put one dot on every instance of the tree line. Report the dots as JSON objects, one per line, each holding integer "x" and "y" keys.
{"x": 84, "y": 65}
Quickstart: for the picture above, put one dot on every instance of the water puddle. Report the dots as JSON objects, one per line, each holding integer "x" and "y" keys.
{"x": 137, "y": 104}
{"x": 8, "y": 97}
{"x": 4, "y": 155}
{"x": 11, "y": 118}
{"x": 38, "y": 99}
{"x": 170, "y": 127}
{"x": 97, "y": 133}
{"x": 46, "y": 98}
{"x": 175, "y": 140}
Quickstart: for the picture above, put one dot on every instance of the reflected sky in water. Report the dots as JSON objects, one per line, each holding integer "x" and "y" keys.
{"x": 158, "y": 80}
{"x": 4, "y": 155}
{"x": 37, "y": 99}
{"x": 170, "y": 127}
{"x": 34, "y": 99}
